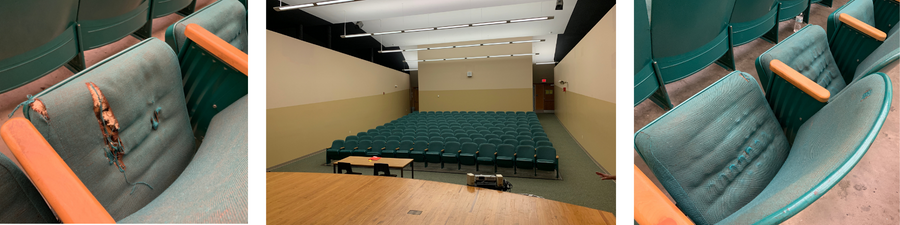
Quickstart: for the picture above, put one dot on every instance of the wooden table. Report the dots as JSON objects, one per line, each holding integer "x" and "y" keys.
{"x": 322, "y": 198}
{"x": 397, "y": 163}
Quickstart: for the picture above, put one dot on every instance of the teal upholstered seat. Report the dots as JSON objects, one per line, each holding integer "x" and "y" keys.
{"x": 362, "y": 148}
{"x": 433, "y": 155}
{"x": 418, "y": 151}
{"x": 390, "y": 147}
{"x": 347, "y": 150}
{"x": 754, "y": 19}
{"x": 732, "y": 164}
{"x": 451, "y": 153}
{"x": 38, "y": 37}
{"x": 486, "y": 155}
{"x": 546, "y": 159}
{"x": 333, "y": 152}
{"x": 377, "y": 147}
{"x": 525, "y": 157}
{"x": 226, "y": 19}
{"x": 22, "y": 203}
{"x": 849, "y": 45}
{"x": 506, "y": 155}
{"x": 467, "y": 155}
{"x": 403, "y": 151}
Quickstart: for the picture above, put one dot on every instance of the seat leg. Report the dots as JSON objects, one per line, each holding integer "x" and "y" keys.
{"x": 476, "y": 166}
{"x": 727, "y": 60}
{"x": 772, "y": 35}
{"x": 660, "y": 96}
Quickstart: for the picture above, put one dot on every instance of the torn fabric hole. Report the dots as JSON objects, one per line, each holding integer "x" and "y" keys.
{"x": 154, "y": 121}
{"x": 109, "y": 127}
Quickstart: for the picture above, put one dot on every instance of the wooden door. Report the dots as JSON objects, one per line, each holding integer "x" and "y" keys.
{"x": 538, "y": 97}
{"x": 414, "y": 98}
{"x": 548, "y": 97}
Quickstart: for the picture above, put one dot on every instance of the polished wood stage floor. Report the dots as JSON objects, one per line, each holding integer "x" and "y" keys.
{"x": 321, "y": 198}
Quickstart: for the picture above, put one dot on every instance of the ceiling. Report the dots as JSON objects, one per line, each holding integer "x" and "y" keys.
{"x": 389, "y": 15}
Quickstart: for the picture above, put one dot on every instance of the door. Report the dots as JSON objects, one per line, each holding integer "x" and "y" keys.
{"x": 538, "y": 97}
{"x": 543, "y": 97}
{"x": 414, "y": 98}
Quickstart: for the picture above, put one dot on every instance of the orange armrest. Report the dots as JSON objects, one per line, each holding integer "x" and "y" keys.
{"x": 342, "y": 148}
{"x": 60, "y": 187}
{"x": 370, "y": 148}
{"x": 802, "y": 82}
{"x": 862, "y": 27}
{"x": 218, "y": 47}
{"x": 651, "y": 206}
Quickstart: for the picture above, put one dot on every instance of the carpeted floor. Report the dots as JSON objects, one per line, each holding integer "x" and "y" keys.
{"x": 580, "y": 185}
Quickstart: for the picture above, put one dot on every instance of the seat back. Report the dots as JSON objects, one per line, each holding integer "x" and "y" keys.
{"x": 420, "y": 145}
{"x": 545, "y": 152}
{"x": 227, "y": 19}
{"x": 336, "y": 144}
{"x": 525, "y": 151}
{"x": 886, "y": 53}
{"x": 135, "y": 82}
{"x": 345, "y": 168}
{"x": 106, "y": 21}
{"x": 527, "y": 142}
{"x": 406, "y": 145}
{"x": 364, "y": 144}
{"x": 163, "y": 8}
{"x": 391, "y": 145}
{"x": 479, "y": 140}
{"x": 451, "y": 147}
{"x": 465, "y": 140}
{"x": 487, "y": 150}
{"x": 384, "y": 169}
{"x": 350, "y": 144}
{"x": 377, "y": 145}
{"x": 523, "y": 138}
{"x": 513, "y": 142}
{"x": 741, "y": 148}
{"x": 39, "y": 37}
{"x": 688, "y": 36}
{"x": 506, "y": 150}
{"x": 753, "y": 19}
{"x": 351, "y": 137}
{"x": 435, "y": 146}
{"x": 792, "y": 8}
{"x": 469, "y": 147}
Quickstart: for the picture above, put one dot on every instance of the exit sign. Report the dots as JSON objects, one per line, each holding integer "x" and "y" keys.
{"x": 544, "y": 80}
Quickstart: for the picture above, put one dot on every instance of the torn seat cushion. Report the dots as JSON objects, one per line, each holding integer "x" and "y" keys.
{"x": 716, "y": 151}
{"x": 213, "y": 188}
{"x": 20, "y": 202}
{"x": 135, "y": 82}
{"x": 227, "y": 19}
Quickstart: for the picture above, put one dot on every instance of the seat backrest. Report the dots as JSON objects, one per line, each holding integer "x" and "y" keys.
{"x": 382, "y": 167}
{"x": 336, "y": 144}
{"x": 487, "y": 150}
{"x": 449, "y": 139}
{"x": 345, "y": 168}
{"x": 525, "y": 151}
{"x": 546, "y": 152}
{"x": 350, "y": 144}
{"x": 420, "y": 145}
{"x": 750, "y": 10}
{"x": 451, "y": 147}
{"x": 38, "y": 37}
{"x": 351, "y": 137}
{"x": 513, "y": 142}
{"x": 377, "y": 145}
{"x": 406, "y": 145}
{"x": 393, "y": 138}
{"x": 227, "y": 19}
{"x": 435, "y": 146}
{"x": 863, "y": 10}
{"x": 741, "y": 148}
{"x": 527, "y": 142}
{"x": 506, "y": 150}
{"x": 469, "y": 147}
{"x": 523, "y": 138}
{"x": 435, "y": 138}
{"x": 679, "y": 27}
{"x": 365, "y": 144}
{"x": 134, "y": 82}
{"x": 495, "y": 141}
{"x": 106, "y": 21}
{"x": 886, "y": 53}
{"x": 541, "y": 139}
{"x": 479, "y": 140}
{"x": 806, "y": 52}
{"x": 391, "y": 145}
{"x": 544, "y": 143}
{"x": 465, "y": 140}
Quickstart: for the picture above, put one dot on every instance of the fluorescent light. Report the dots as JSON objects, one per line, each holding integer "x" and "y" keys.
{"x": 527, "y": 54}
{"x": 499, "y": 56}
{"x": 332, "y": 2}
{"x": 477, "y": 57}
{"x": 544, "y": 63}
{"x": 390, "y": 51}
{"x": 432, "y": 60}
{"x": 414, "y": 60}
{"x": 444, "y": 27}
{"x": 356, "y": 35}
{"x": 410, "y": 69}
{"x": 436, "y": 48}
{"x": 463, "y": 46}
{"x": 451, "y": 27}
{"x": 488, "y": 23}
{"x": 417, "y": 30}
{"x": 453, "y": 59}
{"x": 528, "y": 41}
{"x": 290, "y": 7}
{"x": 497, "y": 43}
{"x": 531, "y": 19}
{"x": 414, "y": 49}
{"x": 386, "y": 32}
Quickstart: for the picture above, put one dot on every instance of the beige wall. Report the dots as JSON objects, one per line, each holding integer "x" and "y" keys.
{"x": 543, "y": 71}
{"x": 498, "y": 84}
{"x": 587, "y": 108}
{"x": 316, "y": 95}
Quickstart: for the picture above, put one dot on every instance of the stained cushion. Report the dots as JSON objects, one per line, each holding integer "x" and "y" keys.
{"x": 135, "y": 82}
{"x": 716, "y": 151}
{"x": 213, "y": 188}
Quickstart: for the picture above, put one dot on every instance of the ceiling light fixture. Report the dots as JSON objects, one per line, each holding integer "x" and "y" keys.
{"x": 307, "y": 5}
{"x": 410, "y": 69}
{"x": 473, "y": 57}
{"x": 545, "y": 63}
{"x": 462, "y": 46}
{"x": 447, "y": 27}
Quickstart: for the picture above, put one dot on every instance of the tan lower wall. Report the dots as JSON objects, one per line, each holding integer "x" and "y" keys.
{"x": 296, "y": 131}
{"x": 518, "y": 99}
{"x": 592, "y": 122}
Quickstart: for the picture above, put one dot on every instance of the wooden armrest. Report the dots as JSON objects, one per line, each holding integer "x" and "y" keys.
{"x": 355, "y": 148}
{"x": 218, "y": 47}
{"x": 60, "y": 187}
{"x": 651, "y": 206}
{"x": 557, "y": 157}
{"x": 459, "y": 151}
{"x": 370, "y": 148}
{"x": 426, "y": 149}
{"x": 862, "y": 27}
{"x": 802, "y": 82}
{"x": 398, "y": 148}
{"x": 342, "y": 148}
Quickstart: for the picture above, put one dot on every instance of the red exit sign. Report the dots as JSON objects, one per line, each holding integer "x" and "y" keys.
{"x": 544, "y": 80}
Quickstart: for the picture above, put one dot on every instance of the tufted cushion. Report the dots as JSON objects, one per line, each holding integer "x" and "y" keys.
{"x": 716, "y": 151}
{"x": 227, "y": 19}
{"x": 213, "y": 188}
{"x": 807, "y": 52}
{"x": 135, "y": 82}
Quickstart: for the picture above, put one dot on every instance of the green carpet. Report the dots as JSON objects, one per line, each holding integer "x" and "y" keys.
{"x": 580, "y": 185}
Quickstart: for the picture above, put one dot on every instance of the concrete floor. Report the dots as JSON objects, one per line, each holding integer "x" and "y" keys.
{"x": 869, "y": 194}
{"x": 10, "y": 99}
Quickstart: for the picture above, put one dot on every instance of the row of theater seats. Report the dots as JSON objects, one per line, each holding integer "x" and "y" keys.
{"x": 194, "y": 146}
{"x": 455, "y": 137}
{"x": 670, "y": 43}
{"x": 769, "y": 148}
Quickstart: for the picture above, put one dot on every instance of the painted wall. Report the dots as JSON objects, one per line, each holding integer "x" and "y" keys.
{"x": 497, "y": 84}
{"x": 316, "y": 95}
{"x": 587, "y": 108}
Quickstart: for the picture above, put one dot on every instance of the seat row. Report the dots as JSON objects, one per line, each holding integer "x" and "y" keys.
{"x": 508, "y": 153}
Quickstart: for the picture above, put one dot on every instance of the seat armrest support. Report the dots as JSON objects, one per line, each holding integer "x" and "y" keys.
{"x": 64, "y": 192}
{"x": 218, "y": 47}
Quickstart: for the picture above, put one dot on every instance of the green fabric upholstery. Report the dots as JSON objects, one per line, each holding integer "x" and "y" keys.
{"x": 135, "y": 82}
{"x": 792, "y": 8}
{"x": 377, "y": 146}
{"x": 486, "y": 153}
{"x": 390, "y": 147}
{"x": 227, "y": 19}
{"x": 467, "y": 156}
{"x": 349, "y": 146}
{"x": 418, "y": 152}
{"x": 433, "y": 155}
{"x": 848, "y": 45}
{"x": 362, "y": 148}
{"x": 886, "y": 53}
{"x": 506, "y": 155}
{"x": 806, "y": 52}
{"x": 106, "y": 21}
{"x": 405, "y": 147}
{"x": 720, "y": 159}
{"x": 333, "y": 152}
{"x": 213, "y": 188}
{"x": 451, "y": 153}
{"x": 525, "y": 156}
{"x": 688, "y": 36}
{"x": 39, "y": 37}
{"x": 826, "y": 149}
{"x": 21, "y": 202}
{"x": 754, "y": 19}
